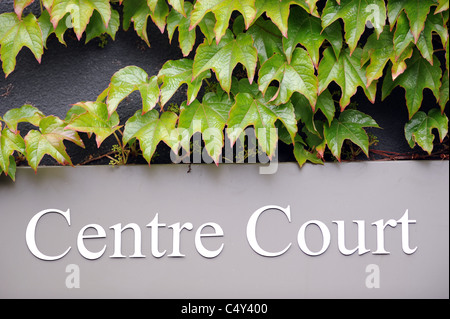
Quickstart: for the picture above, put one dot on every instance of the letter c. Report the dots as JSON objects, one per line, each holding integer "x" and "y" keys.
{"x": 31, "y": 231}
{"x": 251, "y": 230}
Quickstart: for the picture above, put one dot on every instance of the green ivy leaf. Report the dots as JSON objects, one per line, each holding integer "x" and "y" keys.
{"x": 419, "y": 129}
{"x": 416, "y": 10}
{"x": 14, "y": 35}
{"x": 222, "y": 58}
{"x": 186, "y": 37}
{"x": 266, "y": 39}
{"x": 379, "y": 51}
{"x": 96, "y": 27}
{"x": 302, "y": 155}
{"x": 355, "y": 14}
{"x": 296, "y": 76}
{"x": 347, "y": 72}
{"x": 176, "y": 72}
{"x": 95, "y": 120}
{"x": 442, "y": 6}
{"x": 419, "y": 74}
{"x": 9, "y": 143}
{"x": 150, "y": 129}
{"x": 26, "y": 113}
{"x": 207, "y": 26}
{"x": 179, "y": 6}
{"x": 80, "y": 12}
{"x": 208, "y": 118}
{"x": 254, "y": 110}
{"x": 136, "y": 11}
{"x": 222, "y": 10}
{"x": 129, "y": 79}
{"x": 49, "y": 140}
{"x": 278, "y": 11}
{"x": 307, "y": 30}
{"x": 304, "y": 113}
{"x": 433, "y": 23}
{"x": 11, "y": 168}
{"x": 349, "y": 126}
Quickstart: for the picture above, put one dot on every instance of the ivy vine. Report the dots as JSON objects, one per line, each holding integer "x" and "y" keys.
{"x": 290, "y": 52}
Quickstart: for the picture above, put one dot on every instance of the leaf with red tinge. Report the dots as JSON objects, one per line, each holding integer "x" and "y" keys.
{"x": 150, "y": 129}
{"x": 419, "y": 74}
{"x": 80, "y": 12}
{"x": 355, "y": 14}
{"x": 20, "y": 5}
{"x": 416, "y": 10}
{"x": 174, "y": 73}
{"x": 222, "y": 10}
{"x": 347, "y": 72}
{"x": 95, "y": 120}
{"x": 129, "y": 79}
{"x": 26, "y": 113}
{"x": 9, "y": 143}
{"x": 49, "y": 140}
{"x": 223, "y": 57}
{"x": 14, "y": 35}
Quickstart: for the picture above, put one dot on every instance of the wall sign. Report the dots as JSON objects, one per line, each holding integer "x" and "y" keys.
{"x": 373, "y": 230}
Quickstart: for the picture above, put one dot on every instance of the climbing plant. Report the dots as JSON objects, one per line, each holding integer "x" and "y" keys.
{"x": 288, "y": 53}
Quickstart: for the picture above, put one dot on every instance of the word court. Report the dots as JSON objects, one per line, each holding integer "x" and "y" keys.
{"x": 214, "y": 230}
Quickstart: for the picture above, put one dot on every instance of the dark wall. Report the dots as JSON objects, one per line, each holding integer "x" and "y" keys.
{"x": 80, "y": 72}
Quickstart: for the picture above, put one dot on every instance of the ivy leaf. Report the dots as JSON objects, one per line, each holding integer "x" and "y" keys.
{"x": 296, "y": 76}
{"x": 302, "y": 155}
{"x": 96, "y": 27}
{"x": 304, "y": 113}
{"x": 80, "y": 12}
{"x": 208, "y": 118}
{"x": 442, "y": 6}
{"x": 443, "y": 91}
{"x": 266, "y": 38}
{"x": 355, "y": 14}
{"x": 49, "y": 140}
{"x": 136, "y": 11}
{"x": 307, "y": 30}
{"x": 347, "y": 73}
{"x": 433, "y": 23}
{"x": 207, "y": 26}
{"x": 419, "y": 74}
{"x": 150, "y": 128}
{"x": 419, "y": 129}
{"x": 179, "y": 6}
{"x": 26, "y": 113}
{"x": 222, "y": 10}
{"x": 222, "y": 58}
{"x": 379, "y": 51}
{"x": 278, "y": 11}
{"x": 186, "y": 37}
{"x": 11, "y": 168}
{"x": 95, "y": 120}
{"x": 129, "y": 79}
{"x": 14, "y": 35}
{"x": 176, "y": 72}
{"x": 349, "y": 126}
{"x": 20, "y": 5}
{"x": 416, "y": 10}
{"x": 9, "y": 143}
{"x": 254, "y": 110}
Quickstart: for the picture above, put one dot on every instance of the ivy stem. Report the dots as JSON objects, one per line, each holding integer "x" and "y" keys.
{"x": 122, "y": 149}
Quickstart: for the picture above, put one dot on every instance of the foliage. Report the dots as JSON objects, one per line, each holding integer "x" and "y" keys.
{"x": 289, "y": 50}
